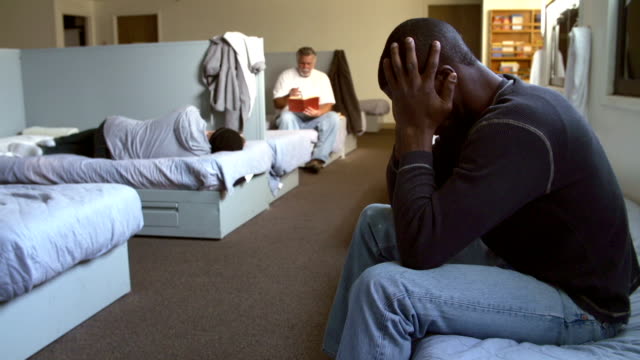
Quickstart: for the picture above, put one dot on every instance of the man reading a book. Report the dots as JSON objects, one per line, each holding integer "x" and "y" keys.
{"x": 304, "y": 97}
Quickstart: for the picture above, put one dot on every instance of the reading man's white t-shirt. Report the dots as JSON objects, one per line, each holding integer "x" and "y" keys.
{"x": 316, "y": 84}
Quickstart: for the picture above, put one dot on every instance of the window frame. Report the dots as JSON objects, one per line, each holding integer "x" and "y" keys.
{"x": 621, "y": 85}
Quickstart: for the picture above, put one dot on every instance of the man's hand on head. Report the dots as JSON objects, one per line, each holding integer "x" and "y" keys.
{"x": 418, "y": 108}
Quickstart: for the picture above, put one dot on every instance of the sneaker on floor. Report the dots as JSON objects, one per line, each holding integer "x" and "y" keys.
{"x": 314, "y": 166}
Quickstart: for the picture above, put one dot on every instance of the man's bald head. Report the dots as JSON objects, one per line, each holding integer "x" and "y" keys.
{"x": 424, "y": 31}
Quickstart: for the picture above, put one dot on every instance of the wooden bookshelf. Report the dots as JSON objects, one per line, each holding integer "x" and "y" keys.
{"x": 514, "y": 35}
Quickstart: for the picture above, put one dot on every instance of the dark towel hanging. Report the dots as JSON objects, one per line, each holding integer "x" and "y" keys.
{"x": 346, "y": 100}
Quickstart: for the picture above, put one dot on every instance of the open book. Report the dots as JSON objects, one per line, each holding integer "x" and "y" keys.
{"x": 299, "y": 104}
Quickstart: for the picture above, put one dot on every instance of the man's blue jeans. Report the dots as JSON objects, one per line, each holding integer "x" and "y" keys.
{"x": 326, "y": 125}
{"x": 380, "y": 307}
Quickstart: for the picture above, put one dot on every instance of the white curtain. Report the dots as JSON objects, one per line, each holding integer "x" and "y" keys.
{"x": 576, "y": 81}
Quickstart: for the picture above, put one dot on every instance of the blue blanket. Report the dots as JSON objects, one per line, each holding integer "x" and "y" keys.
{"x": 47, "y": 229}
{"x": 290, "y": 149}
{"x": 217, "y": 171}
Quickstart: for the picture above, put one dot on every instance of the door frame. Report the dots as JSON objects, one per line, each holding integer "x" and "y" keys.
{"x": 59, "y": 24}
{"x": 158, "y": 23}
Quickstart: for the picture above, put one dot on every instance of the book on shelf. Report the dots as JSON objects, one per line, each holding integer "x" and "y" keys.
{"x": 298, "y": 104}
{"x": 506, "y": 23}
{"x": 508, "y": 51}
{"x": 508, "y": 48}
{"x": 519, "y": 49}
{"x": 509, "y": 67}
{"x": 496, "y": 49}
{"x": 516, "y": 22}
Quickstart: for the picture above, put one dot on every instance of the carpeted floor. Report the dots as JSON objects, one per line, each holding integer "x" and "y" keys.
{"x": 263, "y": 292}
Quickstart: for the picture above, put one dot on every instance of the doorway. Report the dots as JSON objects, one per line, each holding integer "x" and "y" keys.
{"x": 75, "y": 30}
{"x": 137, "y": 29}
{"x": 467, "y": 19}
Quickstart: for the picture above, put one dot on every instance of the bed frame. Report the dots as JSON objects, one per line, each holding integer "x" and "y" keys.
{"x": 203, "y": 214}
{"x": 292, "y": 179}
{"x": 33, "y": 320}
{"x": 289, "y": 181}
{"x": 132, "y": 85}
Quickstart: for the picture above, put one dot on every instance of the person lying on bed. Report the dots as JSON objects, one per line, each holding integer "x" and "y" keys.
{"x": 178, "y": 134}
{"x": 514, "y": 165}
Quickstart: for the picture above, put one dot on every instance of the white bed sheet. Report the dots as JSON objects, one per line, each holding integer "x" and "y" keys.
{"x": 217, "y": 171}
{"x": 23, "y": 139}
{"x": 47, "y": 229}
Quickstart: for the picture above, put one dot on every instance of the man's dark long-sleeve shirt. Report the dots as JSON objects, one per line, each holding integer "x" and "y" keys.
{"x": 532, "y": 180}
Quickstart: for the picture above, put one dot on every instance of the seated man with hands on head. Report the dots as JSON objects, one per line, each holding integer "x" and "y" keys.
{"x": 180, "y": 133}
{"x": 304, "y": 82}
{"x": 516, "y": 166}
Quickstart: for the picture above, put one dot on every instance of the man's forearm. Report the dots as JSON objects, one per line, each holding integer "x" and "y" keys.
{"x": 413, "y": 209}
{"x": 325, "y": 108}
{"x": 280, "y": 102}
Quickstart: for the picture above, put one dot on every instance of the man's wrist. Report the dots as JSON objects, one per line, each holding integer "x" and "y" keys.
{"x": 410, "y": 139}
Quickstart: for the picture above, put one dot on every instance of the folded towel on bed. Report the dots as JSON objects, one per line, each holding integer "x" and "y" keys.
{"x": 49, "y": 131}
{"x": 24, "y": 149}
{"x": 5, "y": 142}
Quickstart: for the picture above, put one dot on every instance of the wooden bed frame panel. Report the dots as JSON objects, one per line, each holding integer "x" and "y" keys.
{"x": 202, "y": 214}
{"x": 292, "y": 179}
{"x": 35, "y": 319}
{"x": 350, "y": 144}
{"x": 289, "y": 182}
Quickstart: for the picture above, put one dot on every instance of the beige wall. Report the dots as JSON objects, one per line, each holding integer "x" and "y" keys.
{"x": 427, "y": 3}
{"x": 78, "y": 8}
{"x": 27, "y": 24}
{"x": 616, "y": 119}
{"x": 359, "y": 27}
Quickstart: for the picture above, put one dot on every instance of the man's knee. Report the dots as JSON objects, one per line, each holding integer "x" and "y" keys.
{"x": 287, "y": 121}
{"x": 329, "y": 121}
{"x": 377, "y": 282}
{"x": 376, "y": 215}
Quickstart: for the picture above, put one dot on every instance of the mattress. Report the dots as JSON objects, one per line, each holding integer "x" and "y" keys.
{"x": 290, "y": 149}
{"x": 218, "y": 171}
{"x": 47, "y": 229}
{"x": 625, "y": 345}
